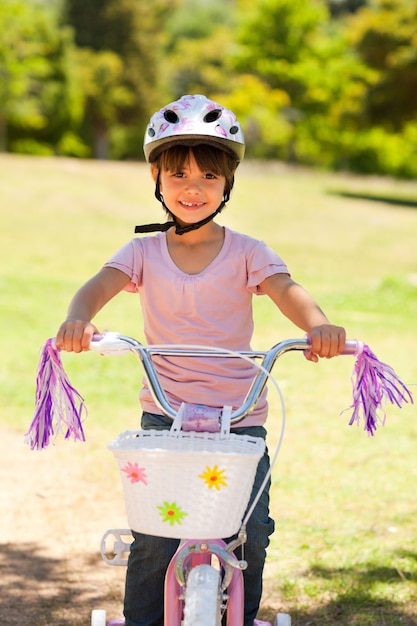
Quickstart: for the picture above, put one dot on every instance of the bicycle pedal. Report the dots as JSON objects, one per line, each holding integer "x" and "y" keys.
{"x": 115, "y": 554}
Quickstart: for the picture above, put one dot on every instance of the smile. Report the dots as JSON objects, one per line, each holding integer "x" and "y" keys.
{"x": 192, "y": 205}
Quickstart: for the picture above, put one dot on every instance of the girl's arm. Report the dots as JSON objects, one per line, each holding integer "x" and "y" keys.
{"x": 74, "y": 335}
{"x": 295, "y": 303}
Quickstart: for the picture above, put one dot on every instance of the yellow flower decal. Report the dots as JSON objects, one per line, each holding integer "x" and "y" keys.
{"x": 172, "y": 513}
{"x": 214, "y": 477}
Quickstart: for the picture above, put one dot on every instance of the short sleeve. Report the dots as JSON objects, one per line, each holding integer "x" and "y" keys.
{"x": 263, "y": 262}
{"x": 129, "y": 259}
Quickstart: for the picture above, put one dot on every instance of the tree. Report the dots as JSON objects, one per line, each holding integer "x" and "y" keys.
{"x": 257, "y": 106}
{"x": 294, "y": 46}
{"x": 198, "y": 65}
{"x": 385, "y": 37}
{"x": 100, "y": 74}
{"x": 39, "y": 100}
{"x": 340, "y": 7}
{"x": 197, "y": 20}
{"x": 278, "y": 31}
{"x": 131, "y": 30}
{"x": 281, "y": 43}
{"x": 197, "y": 47}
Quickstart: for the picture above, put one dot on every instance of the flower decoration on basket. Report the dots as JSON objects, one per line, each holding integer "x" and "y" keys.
{"x": 214, "y": 477}
{"x": 135, "y": 473}
{"x": 171, "y": 513}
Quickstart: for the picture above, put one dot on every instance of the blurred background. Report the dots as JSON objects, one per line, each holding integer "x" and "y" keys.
{"x": 326, "y": 91}
{"x": 316, "y": 82}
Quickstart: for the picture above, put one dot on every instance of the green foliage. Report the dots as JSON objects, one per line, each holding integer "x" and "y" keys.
{"x": 258, "y": 107}
{"x": 198, "y": 47}
{"x": 31, "y": 146}
{"x": 197, "y": 65}
{"x": 331, "y": 83}
{"x": 39, "y": 97}
{"x": 105, "y": 93}
{"x": 377, "y": 150}
{"x": 196, "y": 20}
{"x": 385, "y": 36}
{"x": 122, "y": 39}
{"x": 70, "y": 144}
{"x": 304, "y": 57}
{"x": 351, "y": 85}
{"x": 340, "y": 7}
{"x": 275, "y": 34}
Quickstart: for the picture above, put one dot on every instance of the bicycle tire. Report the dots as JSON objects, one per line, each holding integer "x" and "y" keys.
{"x": 98, "y": 618}
{"x": 202, "y": 597}
{"x": 282, "y": 619}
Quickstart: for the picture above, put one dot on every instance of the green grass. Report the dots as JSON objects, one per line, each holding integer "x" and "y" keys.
{"x": 345, "y": 548}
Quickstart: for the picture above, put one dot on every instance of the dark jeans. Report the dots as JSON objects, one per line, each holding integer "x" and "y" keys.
{"x": 149, "y": 555}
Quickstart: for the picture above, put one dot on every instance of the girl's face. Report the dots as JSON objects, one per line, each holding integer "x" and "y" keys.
{"x": 190, "y": 193}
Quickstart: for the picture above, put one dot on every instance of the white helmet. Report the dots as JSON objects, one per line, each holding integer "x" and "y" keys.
{"x": 193, "y": 120}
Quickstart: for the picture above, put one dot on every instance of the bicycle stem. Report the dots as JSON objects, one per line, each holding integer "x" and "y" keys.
{"x": 255, "y": 390}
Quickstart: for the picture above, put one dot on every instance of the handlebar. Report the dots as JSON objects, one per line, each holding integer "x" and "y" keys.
{"x": 114, "y": 343}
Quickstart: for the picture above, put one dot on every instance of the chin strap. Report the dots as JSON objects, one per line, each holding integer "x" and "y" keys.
{"x": 179, "y": 230}
{"x": 151, "y": 228}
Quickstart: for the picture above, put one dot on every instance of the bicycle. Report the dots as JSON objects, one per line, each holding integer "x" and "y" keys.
{"x": 204, "y": 580}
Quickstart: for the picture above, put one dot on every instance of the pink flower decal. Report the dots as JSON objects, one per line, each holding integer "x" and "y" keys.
{"x": 220, "y": 131}
{"x": 162, "y": 128}
{"x": 135, "y": 473}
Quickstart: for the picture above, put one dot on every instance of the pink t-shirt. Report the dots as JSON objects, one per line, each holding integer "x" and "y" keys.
{"x": 211, "y": 308}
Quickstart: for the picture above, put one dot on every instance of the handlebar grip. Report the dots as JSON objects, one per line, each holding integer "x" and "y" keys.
{"x": 353, "y": 347}
{"x": 109, "y": 343}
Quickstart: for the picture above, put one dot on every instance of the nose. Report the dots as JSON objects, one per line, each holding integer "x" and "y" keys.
{"x": 193, "y": 185}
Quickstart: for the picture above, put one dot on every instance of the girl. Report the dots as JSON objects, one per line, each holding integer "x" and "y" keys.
{"x": 195, "y": 280}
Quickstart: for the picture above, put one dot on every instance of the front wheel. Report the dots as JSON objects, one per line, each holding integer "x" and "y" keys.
{"x": 98, "y": 618}
{"x": 202, "y": 597}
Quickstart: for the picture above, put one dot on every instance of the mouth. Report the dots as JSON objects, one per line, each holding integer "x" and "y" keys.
{"x": 191, "y": 205}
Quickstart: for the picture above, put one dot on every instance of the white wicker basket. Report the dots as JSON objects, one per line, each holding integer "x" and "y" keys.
{"x": 195, "y": 485}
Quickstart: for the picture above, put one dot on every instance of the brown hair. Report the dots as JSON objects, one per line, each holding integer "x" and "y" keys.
{"x": 208, "y": 158}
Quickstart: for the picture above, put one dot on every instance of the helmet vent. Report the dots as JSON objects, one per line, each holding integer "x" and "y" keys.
{"x": 171, "y": 116}
{"x": 234, "y": 130}
{"x": 212, "y": 116}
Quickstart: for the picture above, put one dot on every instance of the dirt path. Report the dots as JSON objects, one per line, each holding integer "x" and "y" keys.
{"x": 51, "y": 523}
{"x": 55, "y": 507}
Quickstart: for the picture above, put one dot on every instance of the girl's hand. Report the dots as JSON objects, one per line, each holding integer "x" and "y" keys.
{"x": 326, "y": 341}
{"x": 75, "y": 335}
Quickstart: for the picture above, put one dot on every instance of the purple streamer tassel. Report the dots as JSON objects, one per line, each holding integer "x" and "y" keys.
{"x": 373, "y": 383}
{"x": 59, "y": 407}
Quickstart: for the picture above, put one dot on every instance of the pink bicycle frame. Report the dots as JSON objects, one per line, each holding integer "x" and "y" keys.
{"x": 173, "y": 589}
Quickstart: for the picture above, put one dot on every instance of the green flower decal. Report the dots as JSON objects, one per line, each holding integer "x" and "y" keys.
{"x": 172, "y": 513}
